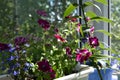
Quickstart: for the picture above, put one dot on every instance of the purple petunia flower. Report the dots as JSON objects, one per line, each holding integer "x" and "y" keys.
{"x": 20, "y": 41}
{"x": 82, "y": 55}
{"x": 68, "y": 51}
{"x": 44, "y": 65}
{"x": 4, "y": 46}
{"x": 41, "y": 13}
{"x": 44, "y": 24}
{"x": 52, "y": 74}
{"x": 93, "y": 41}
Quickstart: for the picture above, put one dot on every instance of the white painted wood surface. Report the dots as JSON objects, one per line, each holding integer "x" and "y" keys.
{"x": 82, "y": 75}
{"x": 5, "y": 77}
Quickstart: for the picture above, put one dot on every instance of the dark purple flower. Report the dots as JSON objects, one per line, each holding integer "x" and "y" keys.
{"x": 82, "y": 55}
{"x": 4, "y": 46}
{"x": 44, "y": 24}
{"x": 44, "y": 65}
{"x": 41, "y": 13}
{"x": 93, "y": 41}
{"x": 84, "y": 40}
{"x": 20, "y": 41}
{"x": 52, "y": 74}
{"x": 59, "y": 38}
{"x": 68, "y": 51}
{"x": 72, "y": 19}
{"x": 56, "y": 30}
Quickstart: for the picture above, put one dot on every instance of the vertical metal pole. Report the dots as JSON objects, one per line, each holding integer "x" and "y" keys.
{"x": 79, "y": 2}
{"x": 15, "y": 16}
{"x": 109, "y": 29}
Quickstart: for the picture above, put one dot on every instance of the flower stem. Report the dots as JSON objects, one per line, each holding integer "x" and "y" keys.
{"x": 96, "y": 66}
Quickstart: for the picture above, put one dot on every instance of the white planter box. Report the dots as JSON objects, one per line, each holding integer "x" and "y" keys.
{"x": 82, "y": 75}
{"x": 5, "y": 77}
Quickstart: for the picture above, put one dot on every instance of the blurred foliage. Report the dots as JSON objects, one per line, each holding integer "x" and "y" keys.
{"x": 115, "y": 10}
{"x": 18, "y": 17}
{"x": 6, "y": 20}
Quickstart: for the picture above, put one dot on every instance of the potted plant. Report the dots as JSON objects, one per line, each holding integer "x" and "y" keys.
{"x": 53, "y": 51}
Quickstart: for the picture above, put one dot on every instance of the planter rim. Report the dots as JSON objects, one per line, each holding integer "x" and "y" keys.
{"x": 80, "y": 74}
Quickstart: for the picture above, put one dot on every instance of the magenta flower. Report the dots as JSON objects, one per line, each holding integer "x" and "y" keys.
{"x": 44, "y": 65}
{"x": 82, "y": 55}
{"x": 41, "y": 13}
{"x": 78, "y": 27}
{"x": 45, "y": 24}
{"x": 87, "y": 18}
{"x": 20, "y": 41}
{"x": 92, "y": 29}
{"x": 52, "y": 74}
{"x": 56, "y": 30}
{"x": 4, "y": 46}
{"x": 93, "y": 41}
{"x": 59, "y": 38}
{"x": 68, "y": 51}
{"x": 72, "y": 19}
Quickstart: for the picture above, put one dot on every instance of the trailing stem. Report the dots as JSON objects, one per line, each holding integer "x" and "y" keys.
{"x": 98, "y": 70}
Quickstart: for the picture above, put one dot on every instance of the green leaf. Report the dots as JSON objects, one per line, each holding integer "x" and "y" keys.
{"x": 88, "y": 3}
{"x": 70, "y": 9}
{"x": 101, "y": 56}
{"x": 102, "y": 1}
{"x": 90, "y": 14}
{"x": 99, "y": 18}
{"x": 105, "y": 32}
{"x": 81, "y": 31}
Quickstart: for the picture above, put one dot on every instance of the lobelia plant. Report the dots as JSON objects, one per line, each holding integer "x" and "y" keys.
{"x": 53, "y": 51}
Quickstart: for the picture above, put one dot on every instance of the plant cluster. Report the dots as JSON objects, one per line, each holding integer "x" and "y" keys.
{"x": 53, "y": 51}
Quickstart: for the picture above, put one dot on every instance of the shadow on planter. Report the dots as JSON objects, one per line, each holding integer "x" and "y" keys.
{"x": 106, "y": 74}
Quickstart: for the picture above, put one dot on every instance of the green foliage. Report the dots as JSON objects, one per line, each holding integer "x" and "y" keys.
{"x": 70, "y": 9}
{"x": 102, "y": 1}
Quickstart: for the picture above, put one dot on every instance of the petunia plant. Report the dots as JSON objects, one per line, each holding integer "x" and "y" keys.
{"x": 52, "y": 51}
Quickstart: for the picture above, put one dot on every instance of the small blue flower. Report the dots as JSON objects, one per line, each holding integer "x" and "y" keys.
{"x": 17, "y": 65}
{"x": 24, "y": 51}
{"x": 27, "y": 64}
{"x": 15, "y": 73}
{"x": 113, "y": 62}
{"x": 25, "y": 68}
{"x": 11, "y": 58}
{"x": 12, "y": 49}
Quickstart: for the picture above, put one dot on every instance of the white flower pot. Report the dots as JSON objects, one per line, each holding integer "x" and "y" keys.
{"x": 5, "y": 77}
{"x": 82, "y": 75}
